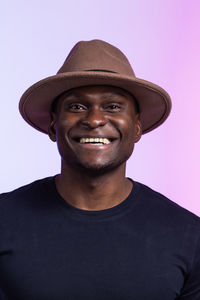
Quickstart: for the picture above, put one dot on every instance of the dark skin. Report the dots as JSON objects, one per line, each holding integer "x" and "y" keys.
{"x": 93, "y": 172}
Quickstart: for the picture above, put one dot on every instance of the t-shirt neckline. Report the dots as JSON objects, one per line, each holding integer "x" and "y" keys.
{"x": 115, "y": 211}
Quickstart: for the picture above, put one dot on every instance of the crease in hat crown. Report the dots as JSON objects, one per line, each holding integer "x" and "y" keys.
{"x": 96, "y": 55}
{"x": 94, "y": 62}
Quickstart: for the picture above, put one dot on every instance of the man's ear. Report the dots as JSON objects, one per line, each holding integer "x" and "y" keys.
{"x": 138, "y": 129}
{"x": 52, "y": 127}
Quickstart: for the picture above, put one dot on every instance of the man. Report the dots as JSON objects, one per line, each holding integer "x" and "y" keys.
{"x": 90, "y": 232}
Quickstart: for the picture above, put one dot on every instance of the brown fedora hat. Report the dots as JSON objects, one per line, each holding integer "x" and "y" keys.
{"x": 94, "y": 63}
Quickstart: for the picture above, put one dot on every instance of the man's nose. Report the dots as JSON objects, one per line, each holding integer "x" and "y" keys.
{"x": 94, "y": 118}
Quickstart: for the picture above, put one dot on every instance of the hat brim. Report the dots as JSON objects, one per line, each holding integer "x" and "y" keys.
{"x": 35, "y": 103}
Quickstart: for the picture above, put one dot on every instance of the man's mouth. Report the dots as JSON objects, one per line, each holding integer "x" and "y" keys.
{"x": 95, "y": 141}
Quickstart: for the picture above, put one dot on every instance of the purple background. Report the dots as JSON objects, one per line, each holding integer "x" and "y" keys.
{"x": 162, "y": 41}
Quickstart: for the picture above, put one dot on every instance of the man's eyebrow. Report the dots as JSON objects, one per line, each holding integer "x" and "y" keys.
{"x": 114, "y": 95}
{"x": 74, "y": 95}
{"x": 64, "y": 96}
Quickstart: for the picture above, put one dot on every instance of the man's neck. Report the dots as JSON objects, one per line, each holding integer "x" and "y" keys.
{"x": 93, "y": 192}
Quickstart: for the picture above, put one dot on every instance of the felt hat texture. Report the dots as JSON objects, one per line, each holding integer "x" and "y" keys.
{"x": 92, "y": 63}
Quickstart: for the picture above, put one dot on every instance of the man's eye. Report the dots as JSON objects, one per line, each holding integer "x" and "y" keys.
{"x": 76, "y": 107}
{"x": 113, "y": 107}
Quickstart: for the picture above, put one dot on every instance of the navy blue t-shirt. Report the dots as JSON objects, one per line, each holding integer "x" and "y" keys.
{"x": 145, "y": 248}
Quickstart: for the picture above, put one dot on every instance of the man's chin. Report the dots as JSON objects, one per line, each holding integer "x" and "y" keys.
{"x": 96, "y": 169}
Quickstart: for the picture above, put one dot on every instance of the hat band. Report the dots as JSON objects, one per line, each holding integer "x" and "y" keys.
{"x": 100, "y": 70}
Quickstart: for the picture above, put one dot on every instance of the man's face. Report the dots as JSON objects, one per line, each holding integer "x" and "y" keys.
{"x": 95, "y": 127}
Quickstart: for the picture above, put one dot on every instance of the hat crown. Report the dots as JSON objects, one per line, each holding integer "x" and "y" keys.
{"x": 96, "y": 55}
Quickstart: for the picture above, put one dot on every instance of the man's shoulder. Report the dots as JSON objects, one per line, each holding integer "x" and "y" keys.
{"x": 25, "y": 191}
{"x": 162, "y": 207}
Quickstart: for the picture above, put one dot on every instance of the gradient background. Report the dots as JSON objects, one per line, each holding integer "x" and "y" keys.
{"x": 162, "y": 41}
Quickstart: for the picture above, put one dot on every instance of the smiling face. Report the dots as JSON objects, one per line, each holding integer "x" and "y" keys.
{"x": 95, "y": 127}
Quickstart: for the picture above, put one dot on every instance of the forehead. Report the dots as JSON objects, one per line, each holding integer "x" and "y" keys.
{"x": 97, "y": 90}
{"x": 89, "y": 92}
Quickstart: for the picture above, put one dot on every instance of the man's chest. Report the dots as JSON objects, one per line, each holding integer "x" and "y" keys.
{"x": 91, "y": 262}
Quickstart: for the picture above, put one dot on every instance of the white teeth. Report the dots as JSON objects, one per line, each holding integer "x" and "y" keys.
{"x": 98, "y": 141}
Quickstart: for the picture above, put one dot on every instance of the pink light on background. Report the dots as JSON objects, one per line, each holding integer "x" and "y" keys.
{"x": 174, "y": 147}
{"x": 162, "y": 42}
